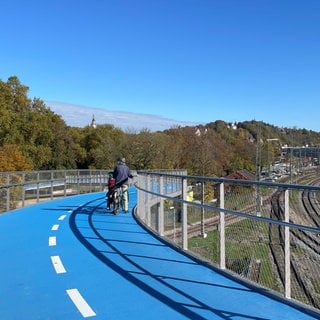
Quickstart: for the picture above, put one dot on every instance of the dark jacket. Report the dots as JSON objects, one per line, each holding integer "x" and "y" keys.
{"x": 122, "y": 174}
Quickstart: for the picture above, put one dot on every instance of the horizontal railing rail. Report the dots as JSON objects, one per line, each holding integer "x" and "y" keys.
{"x": 263, "y": 232}
{"x": 266, "y": 233}
{"x": 21, "y": 188}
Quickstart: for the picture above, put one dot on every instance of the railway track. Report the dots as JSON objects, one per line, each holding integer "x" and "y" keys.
{"x": 195, "y": 229}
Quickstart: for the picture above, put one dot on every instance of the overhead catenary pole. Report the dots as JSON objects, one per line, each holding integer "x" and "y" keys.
{"x": 258, "y": 171}
{"x": 268, "y": 154}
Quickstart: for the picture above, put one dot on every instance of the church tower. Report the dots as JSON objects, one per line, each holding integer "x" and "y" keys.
{"x": 93, "y": 122}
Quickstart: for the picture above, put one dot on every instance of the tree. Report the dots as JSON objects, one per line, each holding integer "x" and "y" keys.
{"x": 42, "y": 140}
{"x": 11, "y": 159}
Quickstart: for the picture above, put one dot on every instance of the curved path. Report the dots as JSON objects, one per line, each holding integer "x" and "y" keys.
{"x": 71, "y": 259}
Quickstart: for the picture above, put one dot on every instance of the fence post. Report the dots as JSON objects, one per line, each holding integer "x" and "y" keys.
{"x": 184, "y": 216}
{"x": 101, "y": 180}
{"x": 287, "y": 246}
{"x": 90, "y": 179}
{"x": 8, "y": 192}
{"x": 161, "y": 209}
{"x": 51, "y": 189}
{"x": 202, "y": 231}
{"x": 23, "y": 190}
{"x": 65, "y": 184}
{"x": 222, "y": 228}
{"x": 147, "y": 214}
{"x": 78, "y": 182}
{"x": 38, "y": 187}
{"x": 139, "y": 197}
{"x": 142, "y": 198}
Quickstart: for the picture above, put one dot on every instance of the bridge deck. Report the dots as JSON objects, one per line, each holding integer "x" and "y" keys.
{"x": 70, "y": 259}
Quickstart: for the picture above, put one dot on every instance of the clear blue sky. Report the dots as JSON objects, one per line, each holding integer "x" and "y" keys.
{"x": 189, "y": 60}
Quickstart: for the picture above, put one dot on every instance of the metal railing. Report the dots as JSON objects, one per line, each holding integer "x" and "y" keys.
{"x": 18, "y": 189}
{"x": 265, "y": 233}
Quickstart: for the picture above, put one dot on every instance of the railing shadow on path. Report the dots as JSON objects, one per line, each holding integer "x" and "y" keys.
{"x": 105, "y": 237}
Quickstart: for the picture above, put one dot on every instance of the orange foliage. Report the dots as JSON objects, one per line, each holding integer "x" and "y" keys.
{"x": 11, "y": 159}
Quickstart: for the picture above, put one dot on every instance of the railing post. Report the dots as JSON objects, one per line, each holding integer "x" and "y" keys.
{"x": 90, "y": 179}
{"x": 161, "y": 209}
{"x": 142, "y": 197}
{"x": 65, "y": 184}
{"x": 8, "y": 192}
{"x": 287, "y": 246}
{"x": 51, "y": 190}
{"x": 102, "y": 179}
{"x": 23, "y": 190}
{"x": 184, "y": 216}
{"x": 139, "y": 197}
{"x": 147, "y": 214}
{"x": 222, "y": 229}
{"x": 78, "y": 182}
{"x": 38, "y": 187}
{"x": 202, "y": 232}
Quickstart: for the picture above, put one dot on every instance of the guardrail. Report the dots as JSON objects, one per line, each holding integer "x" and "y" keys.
{"x": 21, "y": 188}
{"x": 261, "y": 232}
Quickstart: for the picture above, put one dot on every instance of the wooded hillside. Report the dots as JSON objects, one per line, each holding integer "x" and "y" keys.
{"x": 32, "y": 137}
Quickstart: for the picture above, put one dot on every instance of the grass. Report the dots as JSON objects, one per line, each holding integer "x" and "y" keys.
{"x": 246, "y": 242}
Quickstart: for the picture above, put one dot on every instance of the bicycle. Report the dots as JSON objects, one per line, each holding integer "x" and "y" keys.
{"x": 119, "y": 199}
{"x": 113, "y": 200}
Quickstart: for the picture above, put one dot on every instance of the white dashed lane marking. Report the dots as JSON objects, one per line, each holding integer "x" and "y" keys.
{"x": 55, "y": 227}
{"x": 80, "y": 303}
{"x": 74, "y": 294}
{"x": 57, "y": 264}
{"x": 52, "y": 241}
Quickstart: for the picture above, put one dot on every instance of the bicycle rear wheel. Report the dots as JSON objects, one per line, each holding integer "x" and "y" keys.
{"x": 116, "y": 202}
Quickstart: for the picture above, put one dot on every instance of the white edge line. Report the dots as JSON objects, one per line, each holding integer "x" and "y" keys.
{"x": 58, "y": 266}
{"x": 80, "y": 303}
{"x": 52, "y": 241}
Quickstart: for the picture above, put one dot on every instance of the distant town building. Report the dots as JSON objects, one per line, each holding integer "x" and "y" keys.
{"x": 198, "y": 132}
{"x": 232, "y": 125}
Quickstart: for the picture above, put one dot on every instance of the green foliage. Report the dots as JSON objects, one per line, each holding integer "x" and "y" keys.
{"x": 41, "y": 135}
{"x": 40, "y": 139}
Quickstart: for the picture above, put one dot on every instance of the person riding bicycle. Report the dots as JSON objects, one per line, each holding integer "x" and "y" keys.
{"x": 122, "y": 173}
{"x": 110, "y": 189}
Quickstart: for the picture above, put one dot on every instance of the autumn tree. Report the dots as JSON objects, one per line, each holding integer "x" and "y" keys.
{"x": 102, "y": 146}
{"x": 37, "y": 138}
{"x": 11, "y": 159}
{"x": 40, "y": 135}
{"x": 144, "y": 150}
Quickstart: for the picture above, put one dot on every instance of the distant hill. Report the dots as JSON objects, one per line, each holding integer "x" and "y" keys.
{"x": 81, "y": 116}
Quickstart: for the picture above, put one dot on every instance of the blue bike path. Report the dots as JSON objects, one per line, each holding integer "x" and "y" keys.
{"x": 72, "y": 259}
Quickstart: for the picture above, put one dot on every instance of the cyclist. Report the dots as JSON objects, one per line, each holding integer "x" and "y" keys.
{"x": 110, "y": 190}
{"x": 122, "y": 174}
